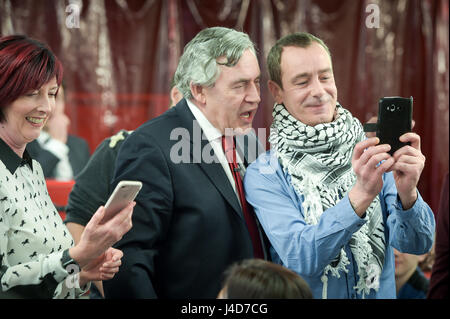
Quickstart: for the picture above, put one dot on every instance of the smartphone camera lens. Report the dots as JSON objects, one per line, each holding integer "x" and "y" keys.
{"x": 392, "y": 108}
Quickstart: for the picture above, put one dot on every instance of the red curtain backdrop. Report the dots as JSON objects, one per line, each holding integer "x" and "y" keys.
{"x": 121, "y": 55}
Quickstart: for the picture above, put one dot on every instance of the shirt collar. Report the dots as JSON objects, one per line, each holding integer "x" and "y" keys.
{"x": 208, "y": 129}
{"x": 11, "y": 160}
{"x": 43, "y": 137}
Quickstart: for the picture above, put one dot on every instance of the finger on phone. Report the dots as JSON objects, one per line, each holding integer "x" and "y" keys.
{"x": 412, "y": 138}
{"x": 407, "y": 150}
{"x": 406, "y": 158}
{"x": 386, "y": 165}
{"x": 98, "y": 215}
{"x": 377, "y": 158}
{"x": 373, "y": 154}
{"x": 361, "y": 146}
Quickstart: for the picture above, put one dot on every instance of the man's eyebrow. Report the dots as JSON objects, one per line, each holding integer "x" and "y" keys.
{"x": 299, "y": 76}
{"x": 325, "y": 70}
{"x": 307, "y": 74}
{"x": 242, "y": 80}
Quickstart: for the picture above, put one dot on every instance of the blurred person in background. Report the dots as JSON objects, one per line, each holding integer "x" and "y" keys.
{"x": 61, "y": 155}
{"x": 410, "y": 281}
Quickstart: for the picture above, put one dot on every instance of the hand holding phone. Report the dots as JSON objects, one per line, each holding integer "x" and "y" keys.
{"x": 394, "y": 120}
{"x": 124, "y": 193}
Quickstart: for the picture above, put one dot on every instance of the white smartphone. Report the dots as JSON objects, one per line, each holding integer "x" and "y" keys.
{"x": 124, "y": 193}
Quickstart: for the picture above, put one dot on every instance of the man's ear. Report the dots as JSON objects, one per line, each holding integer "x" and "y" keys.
{"x": 175, "y": 96}
{"x": 198, "y": 93}
{"x": 275, "y": 90}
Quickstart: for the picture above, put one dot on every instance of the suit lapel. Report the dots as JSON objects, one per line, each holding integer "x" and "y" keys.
{"x": 213, "y": 170}
{"x": 219, "y": 179}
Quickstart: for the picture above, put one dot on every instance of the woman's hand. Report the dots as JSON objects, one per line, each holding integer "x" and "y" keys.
{"x": 103, "y": 267}
{"x": 97, "y": 237}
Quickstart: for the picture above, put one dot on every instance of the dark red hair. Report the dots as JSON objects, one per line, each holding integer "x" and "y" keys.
{"x": 25, "y": 65}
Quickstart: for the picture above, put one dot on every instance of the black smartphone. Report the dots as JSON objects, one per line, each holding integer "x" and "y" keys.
{"x": 394, "y": 120}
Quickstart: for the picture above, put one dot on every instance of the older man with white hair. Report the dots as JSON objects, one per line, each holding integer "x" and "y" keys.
{"x": 191, "y": 220}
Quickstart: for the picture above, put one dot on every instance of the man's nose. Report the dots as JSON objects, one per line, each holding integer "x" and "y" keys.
{"x": 317, "y": 89}
{"x": 253, "y": 93}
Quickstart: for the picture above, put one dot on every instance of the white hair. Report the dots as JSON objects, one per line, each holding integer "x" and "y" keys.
{"x": 199, "y": 63}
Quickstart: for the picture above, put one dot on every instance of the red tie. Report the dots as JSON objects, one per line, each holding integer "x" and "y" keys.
{"x": 249, "y": 215}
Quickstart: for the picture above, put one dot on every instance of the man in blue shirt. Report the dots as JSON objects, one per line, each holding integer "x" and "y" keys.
{"x": 332, "y": 203}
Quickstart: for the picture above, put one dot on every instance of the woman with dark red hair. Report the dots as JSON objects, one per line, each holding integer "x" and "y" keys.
{"x": 38, "y": 258}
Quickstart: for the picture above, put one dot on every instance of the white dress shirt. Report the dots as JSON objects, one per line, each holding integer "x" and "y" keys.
{"x": 63, "y": 170}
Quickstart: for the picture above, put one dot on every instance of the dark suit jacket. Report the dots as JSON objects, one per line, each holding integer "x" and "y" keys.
{"x": 78, "y": 156}
{"x": 188, "y": 226}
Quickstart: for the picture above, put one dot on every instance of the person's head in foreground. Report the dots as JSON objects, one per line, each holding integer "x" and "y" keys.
{"x": 261, "y": 279}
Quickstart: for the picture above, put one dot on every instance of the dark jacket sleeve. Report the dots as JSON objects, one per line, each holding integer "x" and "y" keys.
{"x": 92, "y": 185}
{"x": 140, "y": 158}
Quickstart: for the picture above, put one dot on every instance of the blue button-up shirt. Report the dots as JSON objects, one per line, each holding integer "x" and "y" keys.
{"x": 307, "y": 249}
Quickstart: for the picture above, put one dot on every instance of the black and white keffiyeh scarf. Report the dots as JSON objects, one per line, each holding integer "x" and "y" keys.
{"x": 318, "y": 159}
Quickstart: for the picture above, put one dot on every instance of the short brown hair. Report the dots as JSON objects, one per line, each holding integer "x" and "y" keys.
{"x": 298, "y": 39}
{"x": 261, "y": 279}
